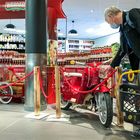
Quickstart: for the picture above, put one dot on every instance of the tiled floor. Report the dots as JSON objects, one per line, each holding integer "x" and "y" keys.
{"x": 81, "y": 126}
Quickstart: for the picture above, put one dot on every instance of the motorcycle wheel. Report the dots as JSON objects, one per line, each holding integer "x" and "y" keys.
{"x": 65, "y": 105}
{"x": 105, "y": 109}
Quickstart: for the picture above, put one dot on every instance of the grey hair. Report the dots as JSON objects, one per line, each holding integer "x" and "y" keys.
{"x": 111, "y": 11}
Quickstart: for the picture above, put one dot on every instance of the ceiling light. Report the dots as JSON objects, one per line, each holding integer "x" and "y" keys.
{"x": 92, "y": 11}
{"x": 73, "y": 31}
{"x": 10, "y": 26}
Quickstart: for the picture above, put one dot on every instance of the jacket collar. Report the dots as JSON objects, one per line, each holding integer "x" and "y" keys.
{"x": 124, "y": 21}
{"x": 124, "y": 17}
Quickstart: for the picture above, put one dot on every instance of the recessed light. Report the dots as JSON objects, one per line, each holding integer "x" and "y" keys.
{"x": 90, "y": 30}
{"x": 92, "y": 11}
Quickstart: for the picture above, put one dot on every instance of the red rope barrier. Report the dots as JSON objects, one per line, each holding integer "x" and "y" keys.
{"x": 41, "y": 86}
{"x": 13, "y": 70}
{"x": 18, "y": 81}
{"x": 62, "y": 72}
{"x": 21, "y": 79}
{"x": 113, "y": 86}
{"x": 88, "y": 91}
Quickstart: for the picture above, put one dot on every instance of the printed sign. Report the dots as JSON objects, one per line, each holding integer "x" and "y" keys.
{"x": 15, "y": 6}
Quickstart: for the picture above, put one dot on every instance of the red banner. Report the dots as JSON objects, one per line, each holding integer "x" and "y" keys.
{"x": 12, "y": 9}
{"x": 54, "y": 12}
{"x": 57, "y": 4}
{"x": 15, "y": 9}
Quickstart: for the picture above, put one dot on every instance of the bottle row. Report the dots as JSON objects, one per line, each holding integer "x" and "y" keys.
{"x": 81, "y": 42}
{"x": 67, "y": 62}
{"x": 72, "y": 54}
{"x": 101, "y": 50}
{"x": 12, "y": 46}
{"x": 12, "y": 58}
{"x": 97, "y": 51}
{"x": 95, "y": 55}
{"x": 12, "y": 38}
{"x": 12, "y": 61}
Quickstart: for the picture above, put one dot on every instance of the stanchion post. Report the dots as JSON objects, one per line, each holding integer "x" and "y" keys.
{"x": 36, "y": 91}
{"x": 120, "y": 118}
{"x": 57, "y": 89}
{"x": 112, "y": 94}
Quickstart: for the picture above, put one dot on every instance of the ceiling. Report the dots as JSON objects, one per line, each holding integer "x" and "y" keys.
{"x": 87, "y": 14}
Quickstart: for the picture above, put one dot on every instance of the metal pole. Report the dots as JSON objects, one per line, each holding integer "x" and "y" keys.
{"x": 36, "y": 44}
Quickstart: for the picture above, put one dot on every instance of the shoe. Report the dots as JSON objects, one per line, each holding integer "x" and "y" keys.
{"x": 136, "y": 133}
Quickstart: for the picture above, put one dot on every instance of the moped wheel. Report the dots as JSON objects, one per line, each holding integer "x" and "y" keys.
{"x": 105, "y": 109}
{"x": 7, "y": 90}
{"x": 65, "y": 105}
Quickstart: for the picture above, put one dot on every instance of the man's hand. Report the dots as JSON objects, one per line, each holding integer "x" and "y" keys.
{"x": 107, "y": 62}
{"x": 109, "y": 69}
{"x": 105, "y": 70}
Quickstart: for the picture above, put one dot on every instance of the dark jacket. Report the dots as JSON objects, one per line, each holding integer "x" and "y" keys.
{"x": 129, "y": 40}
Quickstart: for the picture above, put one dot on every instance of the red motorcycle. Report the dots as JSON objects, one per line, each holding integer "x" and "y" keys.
{"x": 86, "y": 86}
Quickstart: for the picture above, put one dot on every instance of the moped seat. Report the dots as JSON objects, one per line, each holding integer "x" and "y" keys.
{"x": 72, "y": 74}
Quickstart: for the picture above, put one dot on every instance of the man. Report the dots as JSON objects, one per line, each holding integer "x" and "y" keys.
{"x": 129, "y": 24}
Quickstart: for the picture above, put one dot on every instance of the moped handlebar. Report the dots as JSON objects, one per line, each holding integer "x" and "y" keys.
{"x": 94, "y": 64}
{"x": 72, "y": 62}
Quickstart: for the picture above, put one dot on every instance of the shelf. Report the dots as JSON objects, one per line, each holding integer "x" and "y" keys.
{"x": 79, "y": 45}
{"x": 18, "y": 50}
{"x": 5, "y": 42}
{"x": 96, "y": 55}
{"x": 73, "y": 44}
{"x": 74, "y": 49}
{"x": 12, "y": 46}
{"x": 89, "y": 45}
{"x": 5, "y": 65}
{"x": 75, "y": 66}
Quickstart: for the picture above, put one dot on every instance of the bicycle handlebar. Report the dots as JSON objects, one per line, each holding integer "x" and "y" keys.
{"x": 13, "y": 71}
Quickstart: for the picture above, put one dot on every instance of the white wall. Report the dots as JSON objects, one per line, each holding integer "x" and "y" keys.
{"x": 107, "y": 40}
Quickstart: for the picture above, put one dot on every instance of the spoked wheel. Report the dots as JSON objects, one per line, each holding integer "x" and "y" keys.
{"x": 90, "y": 104}
{"x": 65, "y": 105}
{"x": 105, "y": 109}
{"x": 7, "y": 90}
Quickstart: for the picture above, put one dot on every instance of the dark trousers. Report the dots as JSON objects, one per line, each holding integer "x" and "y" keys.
{"x": 135, "y": 65}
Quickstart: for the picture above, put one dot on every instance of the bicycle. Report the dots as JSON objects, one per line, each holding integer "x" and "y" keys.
{"x": 6, "y": 90}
